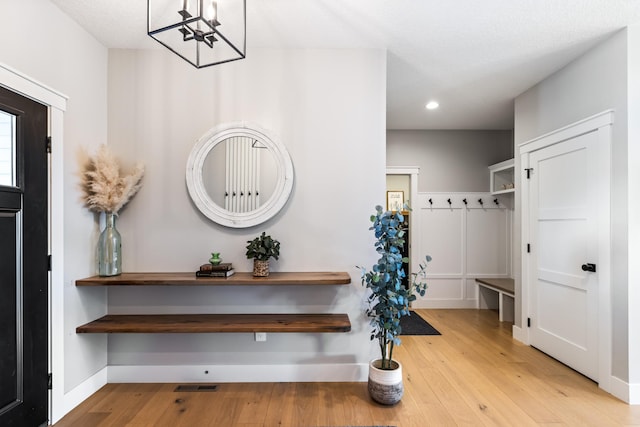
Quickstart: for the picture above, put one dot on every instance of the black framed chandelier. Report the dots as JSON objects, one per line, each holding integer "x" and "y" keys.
{"x": 202, "y": 32}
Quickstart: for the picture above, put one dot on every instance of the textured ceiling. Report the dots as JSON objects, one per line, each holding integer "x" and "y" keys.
{"x": 472, "y": 56}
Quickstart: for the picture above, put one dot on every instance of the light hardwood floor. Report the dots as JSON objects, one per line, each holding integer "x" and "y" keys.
{"x": 474, "y": 374}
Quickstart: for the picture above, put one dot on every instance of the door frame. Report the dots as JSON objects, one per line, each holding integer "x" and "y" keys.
{"x": 56, "y": 103}
{"x": 602, "y": 124}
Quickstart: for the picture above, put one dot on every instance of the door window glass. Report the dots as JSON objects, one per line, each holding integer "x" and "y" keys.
{"x": 7, "y": 149}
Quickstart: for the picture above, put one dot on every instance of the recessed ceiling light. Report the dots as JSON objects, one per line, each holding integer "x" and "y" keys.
{"x": 432, "y": 105}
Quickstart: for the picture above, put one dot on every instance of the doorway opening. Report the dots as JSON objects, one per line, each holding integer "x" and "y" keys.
{"x": 404, "y": 181}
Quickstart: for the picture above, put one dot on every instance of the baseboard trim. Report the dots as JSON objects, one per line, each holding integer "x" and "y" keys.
{"x": 353, "y": 372}
{"x": 78, "y": 395}
{"x": 619, "y": 388}
{"x": 634, "y": 394}
{"x": 443, "y": 304}
{"x": 519, "y": 334}
{"x": 629, "y": 393}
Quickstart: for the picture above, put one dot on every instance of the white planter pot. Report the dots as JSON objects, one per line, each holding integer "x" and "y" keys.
{"x": 385, "y": 386}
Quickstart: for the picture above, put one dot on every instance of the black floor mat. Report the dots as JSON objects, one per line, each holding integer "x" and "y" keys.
{"x": 416, "y": 325}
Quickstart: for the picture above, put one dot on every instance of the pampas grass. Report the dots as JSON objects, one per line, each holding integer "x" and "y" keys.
{"x": 104, "y": 188}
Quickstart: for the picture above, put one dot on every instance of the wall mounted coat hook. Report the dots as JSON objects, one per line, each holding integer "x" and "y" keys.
{"x": 480, "y": 201}
{"x": 431, "y": 201}
{"x": 464, "y": 201}
{"x": 449, "y": 201}
{"x": 496, "y": 202}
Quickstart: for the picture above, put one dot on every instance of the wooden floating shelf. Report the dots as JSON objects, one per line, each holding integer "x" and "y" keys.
{"x": 238, "y": 279}
{"x": 207, "y": 323}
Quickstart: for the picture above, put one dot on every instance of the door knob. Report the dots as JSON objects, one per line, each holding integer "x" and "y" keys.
{"x": 589, "y": 267}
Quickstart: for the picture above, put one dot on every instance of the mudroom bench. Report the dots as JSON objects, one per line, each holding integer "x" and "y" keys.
{"x": 496, "y": 293}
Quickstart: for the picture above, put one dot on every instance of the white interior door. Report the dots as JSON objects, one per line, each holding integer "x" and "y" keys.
{"x": 563, "y": 293}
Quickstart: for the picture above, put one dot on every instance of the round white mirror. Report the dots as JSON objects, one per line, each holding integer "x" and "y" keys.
{"x": 239, "y": 175}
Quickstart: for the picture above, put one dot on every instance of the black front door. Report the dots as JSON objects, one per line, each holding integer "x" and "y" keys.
{"x": 23, "y": 261}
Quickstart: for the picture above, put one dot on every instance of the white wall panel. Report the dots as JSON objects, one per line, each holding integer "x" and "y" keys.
{"x": 466, "y": 239}
{"x": 441, "y": 237}
{"x": 470, "y": 289}
{"x": 488, "y": 249}
{"x": 445, "y": 289}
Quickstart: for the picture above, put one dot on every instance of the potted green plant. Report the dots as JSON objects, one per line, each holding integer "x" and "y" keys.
{"x": 261, "y": 249}
{"x": 388, "y": 301}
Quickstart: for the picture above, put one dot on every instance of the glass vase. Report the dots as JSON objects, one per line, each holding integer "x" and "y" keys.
{"x": 109, "y": 248}
{"x": 215, "y": 258}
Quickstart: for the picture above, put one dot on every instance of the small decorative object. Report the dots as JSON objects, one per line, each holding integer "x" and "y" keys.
{"x": 223, "y": 269}
{"x": 109, "y": 248}
{"x": 261, "y": 249}
{"x": 395, "y": 200}
{"x": 388, "y": 302}
{"x": 106, "y": 191}
{"x": 215, "y": 258}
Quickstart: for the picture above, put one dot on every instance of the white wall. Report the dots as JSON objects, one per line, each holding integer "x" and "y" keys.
{"x": 449, "y": 160}
{"x": 61, "y": 55}
{"x": 633, "y": 72}
{"x": 591, "y": 84}
{"x": 328, "y": 107}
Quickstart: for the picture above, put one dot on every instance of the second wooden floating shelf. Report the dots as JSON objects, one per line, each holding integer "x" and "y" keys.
{"x": 207, "y": 323}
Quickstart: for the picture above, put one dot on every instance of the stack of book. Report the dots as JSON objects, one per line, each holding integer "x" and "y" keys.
{"x": 224, "y": 269}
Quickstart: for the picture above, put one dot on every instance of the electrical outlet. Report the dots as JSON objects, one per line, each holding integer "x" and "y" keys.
{"x": 261, "y": 336}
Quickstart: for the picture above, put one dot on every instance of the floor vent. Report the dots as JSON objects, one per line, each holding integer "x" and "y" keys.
{"x": 196, "y": 387}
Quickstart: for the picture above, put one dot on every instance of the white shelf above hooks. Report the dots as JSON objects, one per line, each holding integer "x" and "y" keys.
{"x": 502, "y": 178}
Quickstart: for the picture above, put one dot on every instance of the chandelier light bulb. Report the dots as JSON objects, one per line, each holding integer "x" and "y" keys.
{"x": 210, "y": 15}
